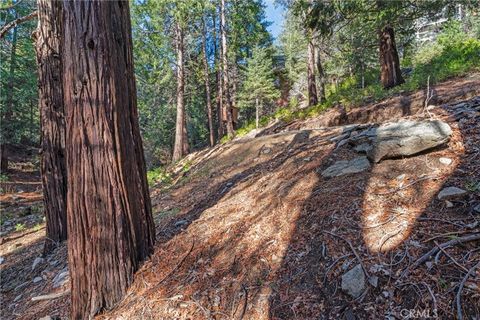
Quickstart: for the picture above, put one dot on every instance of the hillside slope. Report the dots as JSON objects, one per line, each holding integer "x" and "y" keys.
{"x": 251, "y": 229}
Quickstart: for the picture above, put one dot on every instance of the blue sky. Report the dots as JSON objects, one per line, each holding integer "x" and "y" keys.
{"x": 274, "y": 15}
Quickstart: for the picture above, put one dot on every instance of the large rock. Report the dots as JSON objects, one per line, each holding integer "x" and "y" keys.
{"x": 353, "y": 282}
{"x": 344, "y": 167}
{"x": 403, "y": 138}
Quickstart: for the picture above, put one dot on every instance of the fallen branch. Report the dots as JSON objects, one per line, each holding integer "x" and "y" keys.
{"x": 51, "y": 296}
{"x": 444, "y": 245}
{"x": 16, "y": 22}
{"x": 4, "y": 240}
{"x": 176, "y": 267}
{"x": 459, "y": 293}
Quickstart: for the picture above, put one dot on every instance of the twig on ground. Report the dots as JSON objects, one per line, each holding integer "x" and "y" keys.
{"x": 460, "y": 288}
{"x": 450, "y": 257}
{"x": 51, "y": 296}
{"x": 353, "y": 249}
{"x": 444, "y": 245}
{"x": 406, "y": 186}
{"x": 177, "y": 266}
{"x": 432, "y": 295}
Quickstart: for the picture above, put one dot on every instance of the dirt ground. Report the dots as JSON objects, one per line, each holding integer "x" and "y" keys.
{"x": 251, "y": 230}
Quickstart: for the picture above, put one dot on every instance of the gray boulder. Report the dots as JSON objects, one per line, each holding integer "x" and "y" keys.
{"x": 403, "y": 138}
{"x": 344, "y": 167}
{"x": 353, "y": 282}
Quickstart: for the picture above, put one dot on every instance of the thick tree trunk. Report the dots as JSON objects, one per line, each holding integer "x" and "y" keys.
{"x": 226, "y": 83}
{"x": 179, "y": 149}
{"x": 312, "y": 87}
{"x": 207, "y": 83}
{"x": 52, "y": 120}
{"x": 110, "y": 224}
{"x": 7, "y": 133}
{"x": 390, "y": 74}
{"x": 321, "y": 77}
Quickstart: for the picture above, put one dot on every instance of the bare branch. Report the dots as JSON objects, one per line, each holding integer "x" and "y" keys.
{"x": 16, "y": 22}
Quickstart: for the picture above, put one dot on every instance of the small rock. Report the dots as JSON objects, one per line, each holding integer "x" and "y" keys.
{"x": 448, "y": 204}
{"x": 445, "y": 161}
{"x": 429, "y": 265}
{"x": 2, "y": 259}
{"x": 401, "y": 177}
{"x": 61, "y": 278}
{"x": 36, "y": 262}
{"x": 477, "y": 208}
{"x": 17, "y": 298}
{"x": 344, "y": 167}
{"x": 180, "y": 223}
{"x": 363, "y": 148}
{"x": 37, "y": 279}
{"x": 373, "y": 280}
{"x": 307, "y": 159}
{"x": 266, "y": 150}
{"x": 451, "y": 193}
{"x": 353, "y": 282}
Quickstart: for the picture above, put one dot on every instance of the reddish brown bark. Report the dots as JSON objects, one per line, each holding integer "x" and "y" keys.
{"x": 390, "y": 73}
{"x": 228, "y": 103}
{"x": 312, "y": 87}
{"x": 110, "y": 223}
{"x": 207, "y": 84}
{"x": 180, "y": 148}
{"x": 50, "y": 101}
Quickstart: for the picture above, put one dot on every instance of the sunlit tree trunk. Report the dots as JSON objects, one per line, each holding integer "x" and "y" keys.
{"x": 207, "y": 83}
{"x": 390, "y": 73}
{"x": 226, "y": 84}
{"x": 218, "y": 78}
{"x": 52, "y": 121}
{"x": 312, "y": 87}
{"x": 180, "y": 148}
{"x": 110, "y": 224}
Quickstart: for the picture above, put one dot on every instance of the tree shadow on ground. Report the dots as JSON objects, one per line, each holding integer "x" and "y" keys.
{"x": 386, "y": 221}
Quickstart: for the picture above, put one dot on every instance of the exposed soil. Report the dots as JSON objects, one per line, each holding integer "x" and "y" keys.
{"x": 251, "y": 230}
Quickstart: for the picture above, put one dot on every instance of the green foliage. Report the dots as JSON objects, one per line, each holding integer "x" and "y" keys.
{"x": 3, "y": 177}
{"x": 159, "y": 176}
{"x": 20, "y": 227}
{"x": 18, "y": 104}
{"x": 259, "y": 80}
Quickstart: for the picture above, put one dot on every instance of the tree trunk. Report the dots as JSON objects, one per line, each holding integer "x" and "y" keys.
{"x": 207, "y": 83}
{"x": 226, "y": 84}
{"x": 321, "y": 77}
{"x": 179, "y": 149}
{"x": 390, "y": 74}
{"x": 257, "y": 113}
{"x": 50, "y": 101}
{"x": 110, "y": 223}
{"x": 7, "y": 133}
{"x": 312, "y": 87}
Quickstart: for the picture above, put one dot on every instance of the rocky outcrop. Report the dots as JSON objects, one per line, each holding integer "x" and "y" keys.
{"x": 405, "y": 138}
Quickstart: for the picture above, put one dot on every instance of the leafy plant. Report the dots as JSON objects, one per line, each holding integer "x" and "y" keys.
{"x": 20, "y": 227}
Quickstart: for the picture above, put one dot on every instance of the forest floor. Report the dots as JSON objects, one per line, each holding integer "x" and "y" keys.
{"x": 251, "y": 229}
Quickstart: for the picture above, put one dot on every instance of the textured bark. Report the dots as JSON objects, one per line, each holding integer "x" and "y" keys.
{"x": 180, "y": 147}
{"x": 228, "y": 103}
{"x": 390, "y": 73}
{"x": 207, "y": 84}
{"x": 321, "y": 76}
{"x": 52, "y": 121}
{"x": 312, "y": 87}
{"x": 110, "y": 224}
{"x": 8, "y": 112}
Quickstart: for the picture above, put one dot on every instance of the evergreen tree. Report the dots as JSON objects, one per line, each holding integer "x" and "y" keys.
{"x": 258, "y": 87}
